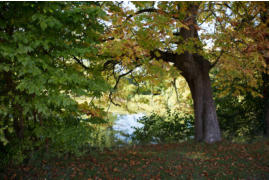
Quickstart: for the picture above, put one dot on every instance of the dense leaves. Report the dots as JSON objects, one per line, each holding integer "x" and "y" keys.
{"x": 163, "y": 129}
{"x": 240, "y": 117}
{"x": 39, "y": 76}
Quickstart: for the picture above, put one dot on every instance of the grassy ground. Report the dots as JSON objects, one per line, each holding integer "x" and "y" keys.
{"x": 187, "y": 160}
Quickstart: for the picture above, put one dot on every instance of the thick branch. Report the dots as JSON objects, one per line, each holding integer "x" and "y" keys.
{"x": 140, "y": 12}
{"x": 110, "y": 62}
{"x": 165, "y": 56}
{"x": 79, "y": 61}
{"x": 150, "y": 10}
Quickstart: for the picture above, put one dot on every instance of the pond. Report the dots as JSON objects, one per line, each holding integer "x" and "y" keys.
{"x": 125, "y": 124}
{"x": 121, "y": 133}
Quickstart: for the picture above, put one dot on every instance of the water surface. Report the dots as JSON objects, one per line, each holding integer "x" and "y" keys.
{"x": 125, "y": 124}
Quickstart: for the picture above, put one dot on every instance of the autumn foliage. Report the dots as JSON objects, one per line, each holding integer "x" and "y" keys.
{"x": 68, "y": 68}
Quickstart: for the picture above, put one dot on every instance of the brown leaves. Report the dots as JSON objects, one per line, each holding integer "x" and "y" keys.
{"x": 179, "y": 161}
{"x": 204, "y": 173}
{"x": 132, "y": 163}
{"x": 115, "y": 170}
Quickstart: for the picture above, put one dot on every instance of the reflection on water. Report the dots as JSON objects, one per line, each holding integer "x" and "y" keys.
{"x": 125, "y": 124}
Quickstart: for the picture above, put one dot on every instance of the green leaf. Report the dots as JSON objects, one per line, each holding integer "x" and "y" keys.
{"x": 43, "y": 25}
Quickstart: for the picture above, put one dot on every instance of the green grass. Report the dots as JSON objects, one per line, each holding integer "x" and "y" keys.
{"x": 188, "y": 160}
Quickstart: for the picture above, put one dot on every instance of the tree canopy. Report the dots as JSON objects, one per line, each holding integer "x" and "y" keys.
{"x": 41, "y": 47}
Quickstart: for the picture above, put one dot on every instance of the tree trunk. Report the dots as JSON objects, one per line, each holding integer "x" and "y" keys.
{"x": 195, "y": 69}
{"x": 206, "y": 122}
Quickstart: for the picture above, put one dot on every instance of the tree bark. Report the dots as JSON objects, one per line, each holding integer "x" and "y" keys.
{"x": 206, "y": 122}
{"x": 195, "y": 69}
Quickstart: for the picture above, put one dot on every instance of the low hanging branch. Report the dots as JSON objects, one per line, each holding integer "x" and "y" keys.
{"x": 117, "y": 82}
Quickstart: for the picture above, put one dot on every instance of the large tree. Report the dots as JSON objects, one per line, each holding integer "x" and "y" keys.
{"x": 168, "y": 32}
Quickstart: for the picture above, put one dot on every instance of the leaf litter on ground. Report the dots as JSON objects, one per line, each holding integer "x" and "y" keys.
{"x": 188, "y": 160}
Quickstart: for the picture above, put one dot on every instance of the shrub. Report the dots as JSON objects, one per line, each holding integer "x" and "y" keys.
{"x": 159, "y": 129}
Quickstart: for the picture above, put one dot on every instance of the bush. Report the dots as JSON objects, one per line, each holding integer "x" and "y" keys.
{"x": 240, "y": 118}
{"x": 159, "y": 129}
